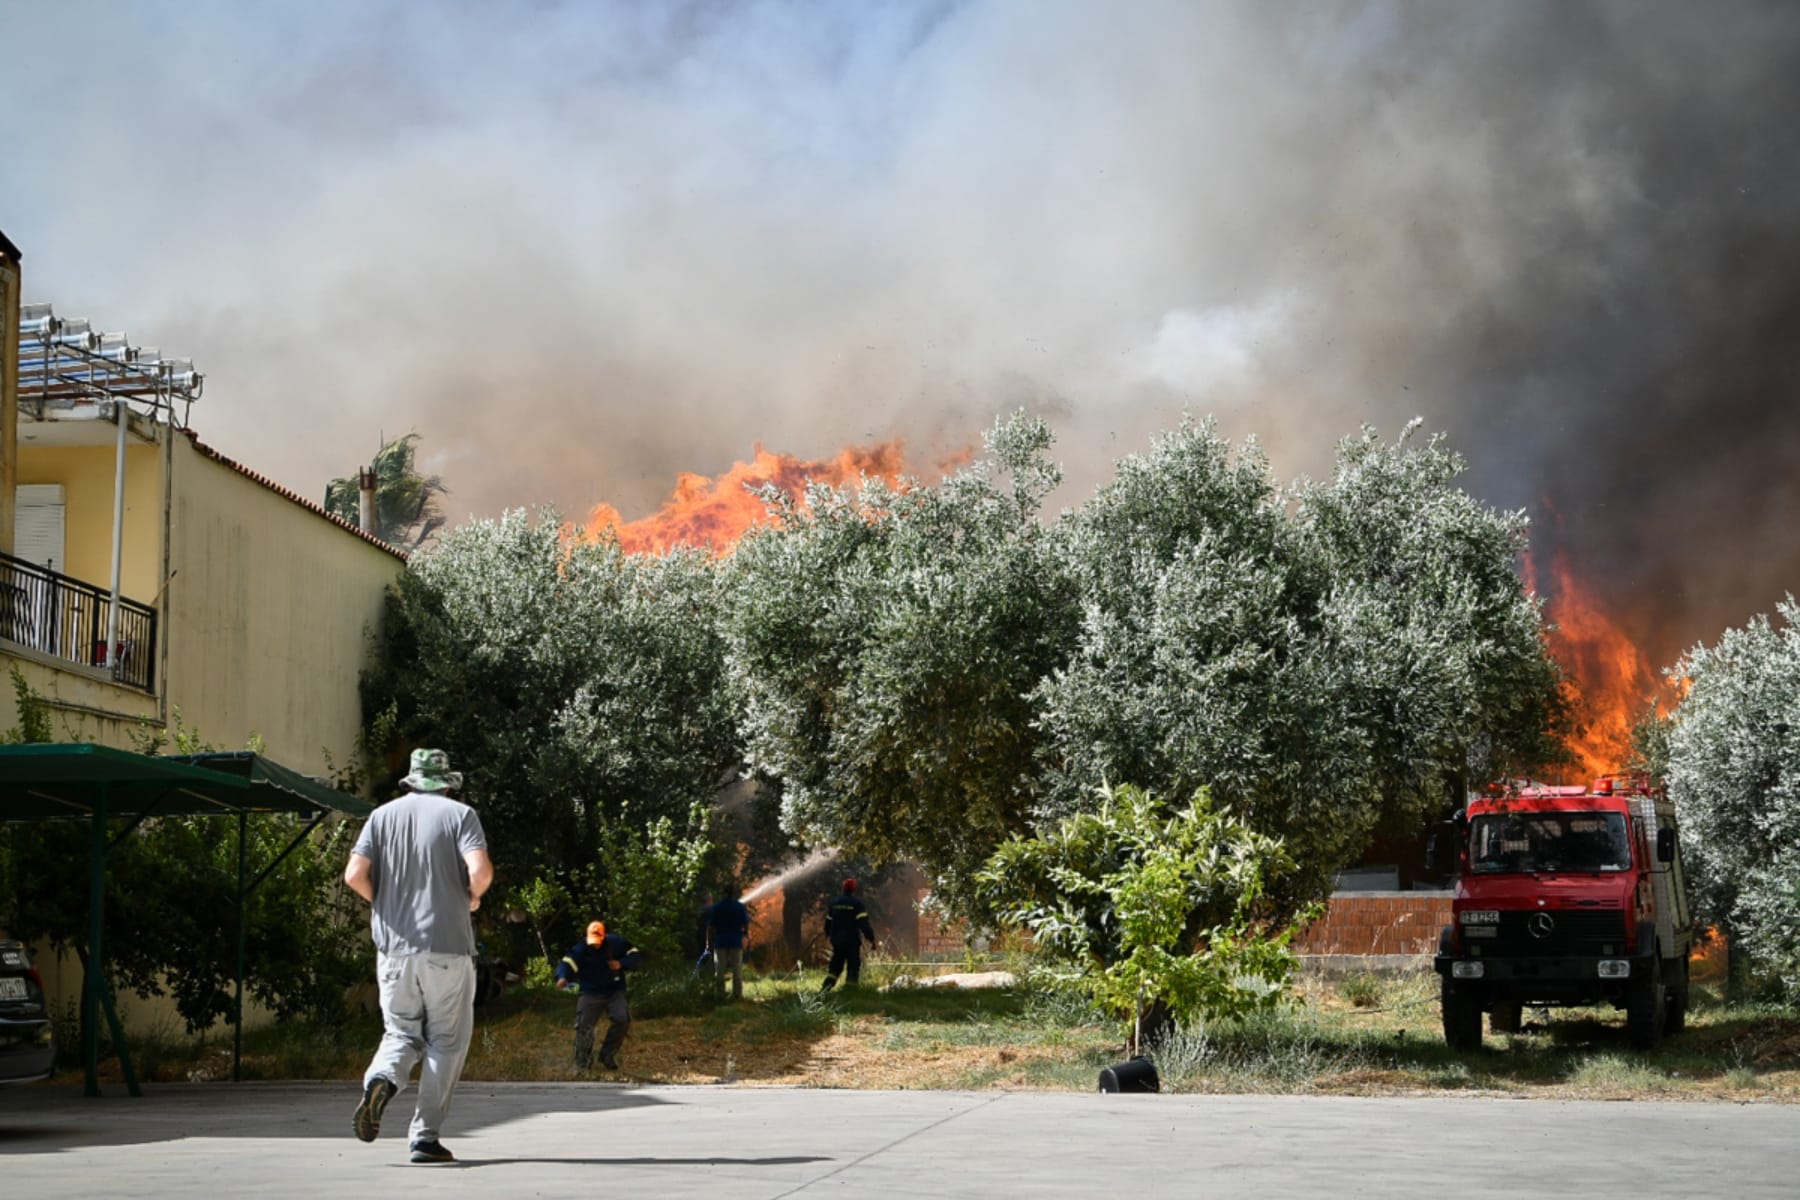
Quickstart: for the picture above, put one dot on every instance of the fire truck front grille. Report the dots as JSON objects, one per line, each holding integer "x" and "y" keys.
{"x": 1561, "y": 932}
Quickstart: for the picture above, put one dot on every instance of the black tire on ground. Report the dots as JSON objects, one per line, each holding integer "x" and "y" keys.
{"x": 1506, "y": 1016}
{"x": 1462, "y": 1018}
{"x": 1675, "y": 1011}
{"x": 1645, "y": 1012}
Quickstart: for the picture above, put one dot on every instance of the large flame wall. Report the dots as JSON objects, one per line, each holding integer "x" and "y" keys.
{"x": 713, "y": 512}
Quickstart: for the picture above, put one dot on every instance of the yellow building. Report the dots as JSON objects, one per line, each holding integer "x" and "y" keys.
{"x": 9, "y": 384}
{"x": 243, "y": 610}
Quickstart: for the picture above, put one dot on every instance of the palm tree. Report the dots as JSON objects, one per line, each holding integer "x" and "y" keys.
{"x": 406, "y": 507}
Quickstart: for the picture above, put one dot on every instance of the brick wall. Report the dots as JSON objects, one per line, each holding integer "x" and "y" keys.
{"x": 1378, "y": 923}
{"x": 938, "y": 937}
{"x": 1357, "y": 923}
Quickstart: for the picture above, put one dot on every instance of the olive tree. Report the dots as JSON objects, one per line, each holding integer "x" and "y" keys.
{"x": 1327, "y": 659}
{"x": 884, "y": 643}
{"x": 579, "y": 689}
{"x": 1733, "y": 746}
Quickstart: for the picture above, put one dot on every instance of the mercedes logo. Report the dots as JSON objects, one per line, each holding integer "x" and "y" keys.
{"x": 1541, "y": 925}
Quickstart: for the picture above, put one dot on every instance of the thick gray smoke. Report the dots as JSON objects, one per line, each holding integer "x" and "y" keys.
{"x": 583, "y": 247}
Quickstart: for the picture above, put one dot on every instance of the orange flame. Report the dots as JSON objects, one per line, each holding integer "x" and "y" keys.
{"x": 1608, "y": 677}
{"x": 713, "y": 513}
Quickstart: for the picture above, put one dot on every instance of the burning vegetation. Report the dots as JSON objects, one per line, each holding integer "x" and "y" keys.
{"x": 1609, "y": 680}
{"x": 712, "y": 513}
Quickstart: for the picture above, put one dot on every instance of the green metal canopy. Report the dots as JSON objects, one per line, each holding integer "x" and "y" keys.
{"x": 45, "y": 782}
{"x": 273, "y": 787}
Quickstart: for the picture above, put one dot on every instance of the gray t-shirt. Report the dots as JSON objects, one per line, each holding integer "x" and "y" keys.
{"x": 417, "y": 844}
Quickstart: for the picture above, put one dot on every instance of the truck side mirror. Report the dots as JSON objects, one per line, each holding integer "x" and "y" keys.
{"x": 1665, "y": 845}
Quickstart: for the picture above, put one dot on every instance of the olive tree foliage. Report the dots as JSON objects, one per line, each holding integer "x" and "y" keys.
{"x": 1453, "y": 681}
{"x": 578, "y": 688}
{"x": 1733, "y": 747}
{"x": 883, "y": 643}
{"x": 1147, "y": 908}
{"x": 1328, "y": 659}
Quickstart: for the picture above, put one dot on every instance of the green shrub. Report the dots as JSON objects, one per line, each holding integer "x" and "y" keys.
{"x": 539, "y": 975}
{"x": 664, "y": 991}
{"x": 806, "y": 1013}
{"x": 1362, "y": 990}
{"x": 631, "y": 883}
{"x": 1146, "y": 908}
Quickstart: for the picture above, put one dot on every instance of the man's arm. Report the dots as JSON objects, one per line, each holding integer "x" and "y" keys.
{"x": 566, "y": 973}
{"x": 359, "y": 877}
{"x": 481, "y": 875}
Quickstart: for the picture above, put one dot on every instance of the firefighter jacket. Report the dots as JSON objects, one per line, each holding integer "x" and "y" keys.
{"x": 729, "y": 921}
{"x": 585, "y": 965}
{"x": 845, "y": 918}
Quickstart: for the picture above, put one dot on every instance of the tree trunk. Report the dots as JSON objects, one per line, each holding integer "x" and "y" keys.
{"x": 1737, "y": 968}
{"x": 1154, "y": 1024}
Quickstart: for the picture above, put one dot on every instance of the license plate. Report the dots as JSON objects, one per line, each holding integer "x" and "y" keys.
{"x": 12, "y": 988}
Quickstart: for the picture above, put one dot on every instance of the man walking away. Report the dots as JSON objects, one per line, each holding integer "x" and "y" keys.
{"x": 597, "y": 966}
{"x": 729, "y": 923}
{"x": 422, "y": 864}
{"x": 846, "y": 922}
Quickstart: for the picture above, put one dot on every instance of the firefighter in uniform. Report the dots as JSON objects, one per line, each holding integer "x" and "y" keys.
{"x": 597, "y": 966}
{"x": 847, "y": 925}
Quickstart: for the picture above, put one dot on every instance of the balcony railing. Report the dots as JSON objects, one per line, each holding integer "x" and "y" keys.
{"x": 65, "y": 617}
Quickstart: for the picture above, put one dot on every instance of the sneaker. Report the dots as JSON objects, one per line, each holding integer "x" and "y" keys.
{"x": 830, "y": 982}
{"x": 367, "y": 1121}
{"x": 431, "y": 1152}
{"x": 610, "y": 1061}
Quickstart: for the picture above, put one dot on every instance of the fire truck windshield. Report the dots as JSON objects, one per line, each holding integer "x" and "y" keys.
{"x": 1527, "y": 842}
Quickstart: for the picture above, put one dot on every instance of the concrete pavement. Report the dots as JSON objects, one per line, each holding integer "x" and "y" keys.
{"x": 577, "y": 1140}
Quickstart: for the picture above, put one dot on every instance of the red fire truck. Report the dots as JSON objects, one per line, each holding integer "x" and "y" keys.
{"x": 1567, "y": 896}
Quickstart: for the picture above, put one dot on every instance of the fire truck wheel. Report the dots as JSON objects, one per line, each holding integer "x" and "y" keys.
{"x": 1462, "y": 1018}
{"x": 1506, "y": 1016}
{"x": 1645, "y": 1012}
{"x": 1675, "y": 1014}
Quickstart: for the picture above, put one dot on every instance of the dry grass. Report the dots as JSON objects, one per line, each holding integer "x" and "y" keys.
{"x": 1379, "y": 1037}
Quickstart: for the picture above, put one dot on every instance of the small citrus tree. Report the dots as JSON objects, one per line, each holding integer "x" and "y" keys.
{"x": 1156, "y": 915}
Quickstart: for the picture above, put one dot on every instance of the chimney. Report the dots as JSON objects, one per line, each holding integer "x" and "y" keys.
{"x": 366, "y": 508}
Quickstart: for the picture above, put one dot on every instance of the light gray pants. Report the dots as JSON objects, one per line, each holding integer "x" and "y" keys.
{"x": 428, "y": 1012}
{"x": 732, "y": 962}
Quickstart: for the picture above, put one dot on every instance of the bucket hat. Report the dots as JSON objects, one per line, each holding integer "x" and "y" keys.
{"x": 431, "y": 772}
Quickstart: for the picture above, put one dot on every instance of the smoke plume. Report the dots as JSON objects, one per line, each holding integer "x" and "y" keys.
{"x": 582, "y": 248}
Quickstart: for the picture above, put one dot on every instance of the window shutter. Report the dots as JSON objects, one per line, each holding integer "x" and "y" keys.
{"x": 38, "y": 524}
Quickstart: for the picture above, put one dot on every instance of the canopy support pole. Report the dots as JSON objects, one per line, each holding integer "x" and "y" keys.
{"x": 149, "y": 811}
{"x": 118, "y": 1037}
{"x": 237, "y": 1005}
{"x": 291, "y": 847}
{"x": 90, "y": 992}
{"x": 95, "y": 997}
